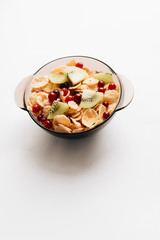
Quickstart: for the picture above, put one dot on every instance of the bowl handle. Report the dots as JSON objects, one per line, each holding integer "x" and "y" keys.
{"x": 19, "y": 92}
{"x": 127, "y": 92}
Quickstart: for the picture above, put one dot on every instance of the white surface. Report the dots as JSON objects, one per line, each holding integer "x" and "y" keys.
{"x": 103, "y": 187}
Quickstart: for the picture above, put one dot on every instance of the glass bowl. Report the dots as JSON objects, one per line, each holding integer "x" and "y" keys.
{"x": 23, "y": 89}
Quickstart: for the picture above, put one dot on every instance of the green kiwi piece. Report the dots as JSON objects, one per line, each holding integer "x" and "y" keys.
{"x": 105, "y": 77}
{"x": 90, "y": 98}
{"x": 58, "y": 108}
{"x": 76, "y": 75}
{"x": 58, "y": 77}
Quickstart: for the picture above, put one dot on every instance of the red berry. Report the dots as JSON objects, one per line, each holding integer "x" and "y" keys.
{"x": 36, "y": 108}
{"x": 65, "y": 91}
{"x": 56, "y": 91}
{"x": 106, "y": 104}
{"x": 101, "y": 84}
{"x": 58, "y": 100}
{"x": 64, "y": 85}
{"x": 106, "y": 115}
{"x": 101, "y": 89}
{"x": 39, "y": 117}
{"x": 79, "y": 64}
{"x": 52, "y": 96}
{"x": 112, "y": 86}
{"x": 48, "y": 124}
{"x": 77, "y": 97}
{"x": 69, "y": 98}
{"x": 43, "y": 119}
{"x": 98, "y": 71}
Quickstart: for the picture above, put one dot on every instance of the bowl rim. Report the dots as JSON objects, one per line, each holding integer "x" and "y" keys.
{"x": 88, "y": 130}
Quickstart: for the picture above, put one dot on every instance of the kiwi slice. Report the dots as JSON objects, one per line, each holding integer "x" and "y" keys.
{"x": 59, "y": 77}
{"x": 76, "y": 74}
{"x": 90, "y": 98}
{"x": 105, "y": 77}
{"x": 58, "y": 108}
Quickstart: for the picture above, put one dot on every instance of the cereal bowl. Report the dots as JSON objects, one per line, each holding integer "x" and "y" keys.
{"x": 73, "y": 96}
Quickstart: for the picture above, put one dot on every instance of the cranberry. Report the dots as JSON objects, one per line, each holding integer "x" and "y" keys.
{"x": 106, "y": 115}
{"x": 43, "y": 119}
{"x": 101, "y": 89}
{"x": 77, "y": 97}
{"x": 112, "y": 86}
{"x": 48, "y": 124}
{"x": 65, "y": 91}
{"x": 39, "y": 117}
{"x": 106, "y": 104}
{"x": 56, "y": 91}
{"x": 101, "y": 84}
{"x": 58, "y": 100}
{"x": 69, "y": 98}
{"x": 36, "y": 108}
{"x": 64, "y": 85}
{"x": 79, "y": 64}
{"x": 52, "y": 96}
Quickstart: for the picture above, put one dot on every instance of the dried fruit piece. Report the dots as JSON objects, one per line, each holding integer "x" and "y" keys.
{"x": 77, "y": 124}
{"x": 62, "y": 128}
{"x": 75, "y": 87}
{"x": 59, "y": 69}
{"x": 90, "y": 81}
{"x": 78, "y": 130}
{"x": 111, "y": 96}
{"x": 42, "y": 99}
{"x": 73, "y": 105}
{"x": 89, "y": 118}
{"x": 111, "y": 107}
{"x": 71, "y": 63}
{"x": 39, "y": 83}
{"x": 62, "y": 119}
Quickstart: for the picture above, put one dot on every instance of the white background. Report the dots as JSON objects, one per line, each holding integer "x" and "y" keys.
{"x": 102, "y": 187}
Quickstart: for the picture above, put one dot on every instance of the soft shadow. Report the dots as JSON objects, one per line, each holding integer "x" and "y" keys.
{"x": 58, "y": 155}
{"x": 66, "y": 156}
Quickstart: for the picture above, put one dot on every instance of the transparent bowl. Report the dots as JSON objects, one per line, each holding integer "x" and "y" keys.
{"x": 23, "y": 89}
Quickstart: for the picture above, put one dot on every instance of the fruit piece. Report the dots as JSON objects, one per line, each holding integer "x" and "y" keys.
{"x": 71, "y": 63}
{"x": 101, "y": 84}
{"x": 58, "y": 108}
{"x": 58, "y": 100}
{"x": 48, "y": 124}
{"x": 56, "y": 91}
{"x": 76, "y": 74}
{"x": 90, "y": 98}
{"x": 43, "y": 119}
{"x": 106, "y": 115}
{"x": 77, "y": 97}
{"x": 64, "y": 85}
{"x": 65, "y": 91}
{"x": 86, "y": 69}
{"x": 58, "y": 77}
{"x": 69, "y": 98}
{"x": 52, "y": 96}
{"x": 106, "y": 104}
{"x": 59, "y": 69}
{"x": 79, "y": 64}
{"x": 101, "y": 89}
{"x": 105, "y": 77}
{"x": 36, "y": 108}
{"x": 39, "y": 117}
{"x": 112, "y": 86}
